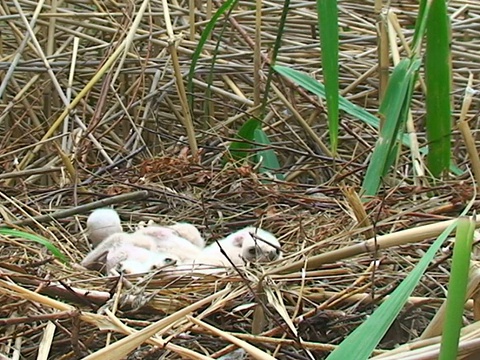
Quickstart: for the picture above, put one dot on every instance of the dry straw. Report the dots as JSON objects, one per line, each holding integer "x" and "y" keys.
{"x": 94, "y": 113}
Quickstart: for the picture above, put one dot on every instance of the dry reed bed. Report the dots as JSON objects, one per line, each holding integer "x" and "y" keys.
{"x": 126, "y": 136}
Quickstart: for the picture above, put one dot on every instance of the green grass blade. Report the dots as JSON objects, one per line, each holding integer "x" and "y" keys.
{"x": 211, "y": 74}
{"x": 38, "y": 239}
{"x": 363, "y": 340}
{"x": 253, "y": 144}
{"x": 393, "y": 155}
{"x": 438, "y": 82}
{"x": 317, "y": 88}
{"x": 457, "y": 289}
{"x": 240, "y": 150}
{"x": 276, "y": 47}
{"x": 393, "y": 109}
{"x": 328, "y": 28}
{"x": 203, "y": 39}
{"x": 266, "y": 157}
{"x": 420, "y": 25}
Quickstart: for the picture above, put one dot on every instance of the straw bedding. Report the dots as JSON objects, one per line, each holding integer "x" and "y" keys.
{"x": 126, "y": 137}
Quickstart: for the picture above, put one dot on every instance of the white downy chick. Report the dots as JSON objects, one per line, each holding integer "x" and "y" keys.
{"x": 185, "y": 230}
{"x": 99, "y": 254}
{"x": 168, "y": 241}
{"x": 102, "y": 223}
{"x": 260, "y": 246}
{"x": 246, "y": 245}
{"x": 131, "y": 259}
{"x": 190, "y": 232}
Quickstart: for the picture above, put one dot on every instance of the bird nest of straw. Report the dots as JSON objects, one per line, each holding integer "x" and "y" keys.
{"x": 125, "y": 144}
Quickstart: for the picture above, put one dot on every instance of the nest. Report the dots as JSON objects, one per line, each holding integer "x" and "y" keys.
{"x": 126, "y": 144}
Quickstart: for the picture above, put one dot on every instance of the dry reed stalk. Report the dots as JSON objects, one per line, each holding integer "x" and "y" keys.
{"x": 28, "y": 158}
{"x": 358, "y": 211}
{"x": 250, "y": 349}
{"x": 67, "y": 143}
{"x": 301, "y": 120}
{"x": 370, "y": 246}
{"x": 430, "y": 348}
{"x": 466, "y": 132}
{"x": 119, "y": 351}
{"x": 46, "y": 342}
{"x": 84, "y": 208}
{"x": 185, "y": 325}
{"x": 359, "y": 297}
{"x": 435, "y": 326}
{"x": 257, "y": 51}
{"x": 187, "y": 117}
{"x": 132, "y": 113}
{"x": 122, "y": 347}
{"x": 383, "y": 54}
{"x": 114, "y": 308}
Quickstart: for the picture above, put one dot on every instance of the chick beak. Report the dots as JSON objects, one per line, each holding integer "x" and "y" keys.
{"x": 273, "y": 255}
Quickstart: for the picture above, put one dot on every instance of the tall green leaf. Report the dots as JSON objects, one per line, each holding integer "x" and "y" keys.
{"x": 211, "y": 73}
{"x": 273, "y": 57}
{"x": 393, "y": 109}
{"x": 317, "y": 88}
{"x": 420, "y": 26}
{"x": 363, "y": 340}
{"x": 242, "y": 149}
{"x": 253, "y": 145}
{"x": 457, "y": 289}
{"x": 38, "y": 239}
{"x": 438, "y": 81}
{"x": 328, "y": 28}
{"x": 266, "y": 157}
{"x": 203, "y": 39}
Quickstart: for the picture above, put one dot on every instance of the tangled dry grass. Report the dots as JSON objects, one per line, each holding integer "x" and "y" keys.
{"x": 86, "y": 125}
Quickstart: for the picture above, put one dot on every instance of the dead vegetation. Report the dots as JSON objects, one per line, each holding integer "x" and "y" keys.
{"x": 90, "y": 115}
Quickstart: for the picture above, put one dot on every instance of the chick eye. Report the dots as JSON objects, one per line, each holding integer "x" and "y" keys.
{"x": 252, "y": 251}
{"x": 277, "y": 251}
{"x": 169, "y": 261}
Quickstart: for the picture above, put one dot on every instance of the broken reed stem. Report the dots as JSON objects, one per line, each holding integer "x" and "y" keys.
{"x": 182, "y": 95}
{"x": 257, "y": 51}
{"x": 359, "y": 212}
{"x": 430, "y": 348}
{"x": 435, "y": 326}
{"x": 191, "y": 18}
{"x": 382, "y": 50}
{"x": 85, "y": 90}
{"x": 119, "y": 199}
{"x": 369, "y": 246}
{"x": 67, "y": 141}
{"x": 121, "y": 348}
{"x": 250, "y": 349}
{"x": 467, "y": 133}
